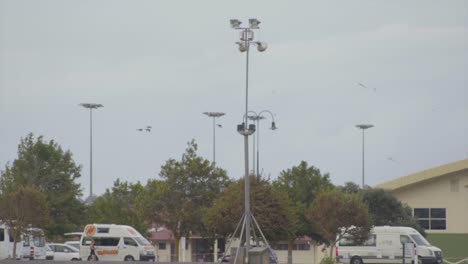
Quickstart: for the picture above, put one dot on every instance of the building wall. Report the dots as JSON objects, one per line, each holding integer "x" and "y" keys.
{"x": 450, "y": 192}
{"x": 312, "y": 256}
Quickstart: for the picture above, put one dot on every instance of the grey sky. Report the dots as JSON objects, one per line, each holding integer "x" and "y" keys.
{"x": 163, "y": 63}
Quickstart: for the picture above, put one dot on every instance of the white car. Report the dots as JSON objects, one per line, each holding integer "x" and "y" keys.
{"x": 64, "y": 252}
{"x": 75, "y": 244}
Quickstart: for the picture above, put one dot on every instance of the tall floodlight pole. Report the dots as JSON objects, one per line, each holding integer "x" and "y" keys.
{"x": 214, "y": 115}
{"x": 91, "y": 106}
{"x": 363, "y": 127}
{"x": 246, "y": 129}
{"x": 257, "y": 118}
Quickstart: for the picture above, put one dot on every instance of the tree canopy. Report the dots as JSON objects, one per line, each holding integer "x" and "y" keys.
{"x": 334, "y": 213}
{"x": 273, "y": 210}
{"x": 119, "y": 205}
{"x": 51, "y": 170}
{"x": 24, "y": 207}
{"x": 301, "y": 184}
{"x": 188, "y": 187}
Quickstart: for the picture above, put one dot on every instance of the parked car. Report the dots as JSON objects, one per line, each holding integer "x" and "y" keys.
{"x": 64, "y": 252}
{"x": 75, "y": 244}
{"x": 49, "y": 253}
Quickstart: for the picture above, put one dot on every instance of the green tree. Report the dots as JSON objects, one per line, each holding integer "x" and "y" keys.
{"x": 51, "y": 170}
{"x": 350, "y": 187}
{"x": 272, "y": 209}
{"x": 301, "y": 184}
{"x": 386, "y": 209}
{"x": 335, "y": 213}
{"x": 119, "y": 205}
{"x": 21, "y": 208}
{"x": 188, "y": 188}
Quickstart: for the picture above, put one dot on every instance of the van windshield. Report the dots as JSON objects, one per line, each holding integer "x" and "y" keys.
{"x": 142, "y": 241}
{"x": 420, "y": 240}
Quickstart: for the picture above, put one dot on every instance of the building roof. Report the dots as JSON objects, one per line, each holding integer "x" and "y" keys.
{"x": 425, "y": 175}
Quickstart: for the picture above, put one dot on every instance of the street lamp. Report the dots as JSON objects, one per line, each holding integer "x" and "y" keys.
{"x": 257, "y": 118}
{"x": 214, "y": 115}
{"x": 91, "y": 106}
{"x": 246, "y": 129}
{"x": 363, "y": 127}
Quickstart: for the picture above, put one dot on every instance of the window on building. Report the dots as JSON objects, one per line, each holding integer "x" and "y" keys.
{"x": 2, "y": 234}
{"x": 302, "y": 247}
{"x": 162, "y": 246}
{"x": 431, "y": 218}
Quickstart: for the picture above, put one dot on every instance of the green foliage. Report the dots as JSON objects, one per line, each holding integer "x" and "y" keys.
{"x": 119, "y": 206}
{"x": 272, "y": 209}
{"x": 334, "y": 213}
{"x": 21, "y": 208}
{"x": 189, "y": 187}
{"x": 302, "y": 184}
{"x": 47, "y": 167}
{"x": 386, "y": 209}
{"x": 328, "y": 260}
{"x": 350, "y": 187}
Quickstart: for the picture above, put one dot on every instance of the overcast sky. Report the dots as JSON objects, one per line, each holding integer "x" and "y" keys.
{"x": 163, "y": 63}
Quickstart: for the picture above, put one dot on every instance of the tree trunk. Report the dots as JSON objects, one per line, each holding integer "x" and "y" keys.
{"x": 290, "y": 249}
{"x": 331, "y": 251}
{"x": 14, "y": 249}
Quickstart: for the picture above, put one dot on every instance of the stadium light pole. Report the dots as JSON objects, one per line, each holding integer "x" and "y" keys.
{"x": 214, "y": 115}
{"x": 257, "y": 118}
{"x": 363, "y": 127}
{"x": 91, "y": 106}
{"x": 246, "y": 129}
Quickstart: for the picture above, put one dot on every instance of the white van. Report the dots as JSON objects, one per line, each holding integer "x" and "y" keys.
{"x": 386, "y": 245}
{"x": 6, "y": 244}
{"x": 34, "y": 244}
{"x": 115, "y": 243}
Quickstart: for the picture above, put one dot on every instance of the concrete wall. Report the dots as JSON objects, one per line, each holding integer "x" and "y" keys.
{"x": 450, "y": 192}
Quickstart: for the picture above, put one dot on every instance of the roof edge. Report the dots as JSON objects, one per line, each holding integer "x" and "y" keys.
{"x": 424, "y": 175}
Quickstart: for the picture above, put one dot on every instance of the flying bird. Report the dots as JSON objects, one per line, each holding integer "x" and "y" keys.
{"x": 219, "y": 125}
{"x": 391, "y": 159}
{"x": 363, "y": 86}
{"x": 147, "y": 129}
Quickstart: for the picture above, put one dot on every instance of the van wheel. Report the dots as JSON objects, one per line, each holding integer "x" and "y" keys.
{"x": 356, "y": 260}
{"x": 129, "y": 258}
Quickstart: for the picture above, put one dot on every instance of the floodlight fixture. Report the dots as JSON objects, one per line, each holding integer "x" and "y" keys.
{"x": 253, "y": 22}
{"x": 214, "y": 114}
{"x": 364, "y": 126}
{"x": 261, "y": 46}
{"x": 242, "y": 46}
{"x": 235, "y": 23}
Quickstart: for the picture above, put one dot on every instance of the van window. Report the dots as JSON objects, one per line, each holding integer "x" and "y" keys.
{"x": 348, "y": 242}
{"x": 39, "y": 241}
{"x": 142, "y": 241}
{"x": 420, "y": 240}
{"x": 26, "y": 241}
{"x": 130, "y": 242}
{"x": 103, "y": 230}
{"x": 10, "y": 236}
{"x": 405, "y": 239}
{"x": 2, "y": 234}
{"x": 101, "y": 241}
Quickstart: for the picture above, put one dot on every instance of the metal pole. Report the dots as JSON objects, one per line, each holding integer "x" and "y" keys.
{"x": 246, "y": 153}
{"x": 258, "y": 148}
{"x": 363, "y": 158}
{"x": 254, "y": 138}
{"x": 90, "y": 152}
{"x": 214, "y": 140}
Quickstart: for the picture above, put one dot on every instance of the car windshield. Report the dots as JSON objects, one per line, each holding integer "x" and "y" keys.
{"x": 142, "y": 241}
{"x": 71, "y": 249}
{"x": 420, "y": 240}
